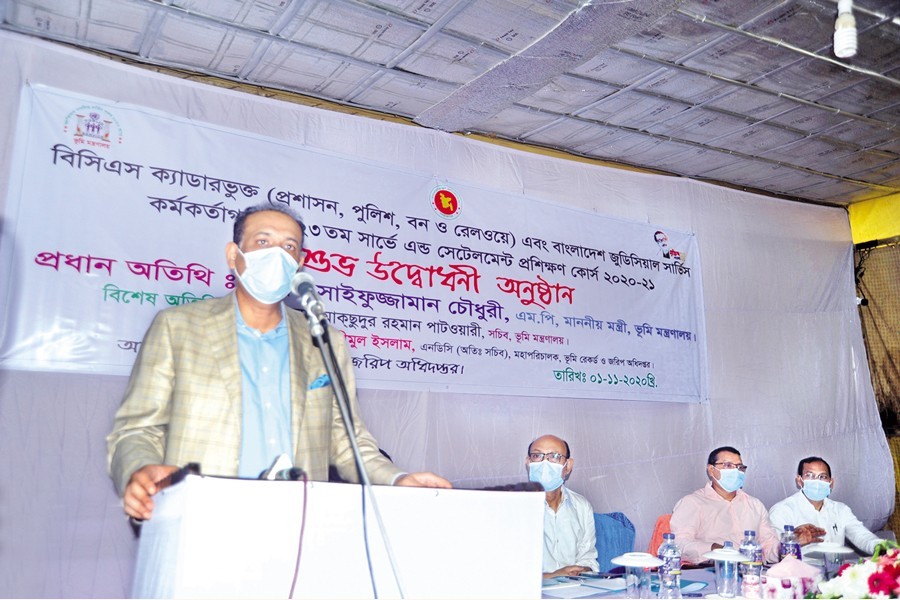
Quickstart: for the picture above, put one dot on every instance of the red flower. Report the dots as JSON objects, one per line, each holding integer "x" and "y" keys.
{"x": 881, "y": 583}
{"x": 842, "y": 568}
{"x": 887, "y": 559}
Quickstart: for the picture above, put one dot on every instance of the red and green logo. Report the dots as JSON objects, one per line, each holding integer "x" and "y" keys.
{"x": 445, "y": 203}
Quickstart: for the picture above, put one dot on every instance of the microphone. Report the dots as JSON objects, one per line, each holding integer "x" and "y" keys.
{"x": 292, "y": 474}
{"x": 282, "y": 469}
{"x": 303, "y": 286}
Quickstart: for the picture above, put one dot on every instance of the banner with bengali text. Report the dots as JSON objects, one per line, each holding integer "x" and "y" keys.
{"x": 117, "y": 212}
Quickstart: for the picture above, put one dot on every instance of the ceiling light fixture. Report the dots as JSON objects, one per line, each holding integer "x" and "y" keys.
{"x": 845, "y": 30}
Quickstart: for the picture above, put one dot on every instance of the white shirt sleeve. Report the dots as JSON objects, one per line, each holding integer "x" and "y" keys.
{"x": 856, "y": 532}
{"x": 587, "y": 545}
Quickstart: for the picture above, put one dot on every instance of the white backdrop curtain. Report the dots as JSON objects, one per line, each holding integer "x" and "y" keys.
{"x": 787, "y": 369}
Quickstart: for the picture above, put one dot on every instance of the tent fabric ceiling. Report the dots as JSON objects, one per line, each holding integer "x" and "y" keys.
{"x": 748, "y": 94}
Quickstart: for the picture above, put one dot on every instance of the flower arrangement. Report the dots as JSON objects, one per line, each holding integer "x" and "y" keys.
{"x": 876, "y": 577}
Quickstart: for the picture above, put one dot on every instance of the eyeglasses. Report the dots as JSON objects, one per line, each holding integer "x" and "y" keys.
{"x": 809, "y": 475}
{"x": 554, "y": 457}
{"x": 730, "y": 465}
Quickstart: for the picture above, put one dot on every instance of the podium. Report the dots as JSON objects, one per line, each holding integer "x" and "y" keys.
{"x": 234, "y": 538}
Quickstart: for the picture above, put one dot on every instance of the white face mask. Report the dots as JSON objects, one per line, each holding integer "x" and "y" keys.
{"x": 816, "y": 490}
{"x": 547, "y": 474}
{"x": 267, "y": 274}
{"x": 731, "y": 480}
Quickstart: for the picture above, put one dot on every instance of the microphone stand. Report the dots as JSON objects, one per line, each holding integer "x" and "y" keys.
{"x": 318, "y": 328}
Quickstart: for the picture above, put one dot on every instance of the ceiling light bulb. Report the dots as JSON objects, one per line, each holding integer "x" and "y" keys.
{"x": 845, "y": 30}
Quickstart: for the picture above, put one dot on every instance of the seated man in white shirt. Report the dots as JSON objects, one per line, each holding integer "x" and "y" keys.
{"x": 811, "y": 507}
{"x": 569, "y": 535}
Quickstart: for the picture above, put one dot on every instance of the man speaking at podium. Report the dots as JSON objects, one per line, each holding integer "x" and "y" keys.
{"x": 231, "y": 383}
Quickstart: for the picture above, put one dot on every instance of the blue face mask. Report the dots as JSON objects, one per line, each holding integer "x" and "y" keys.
{"x": 816, "y": 490}
{"x": 267, "y": 274}
{"x": 546, "y": 473}
{"x": 731, "y": 480}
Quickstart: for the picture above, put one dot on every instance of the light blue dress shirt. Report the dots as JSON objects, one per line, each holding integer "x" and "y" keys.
{"x": 266, "y": 396}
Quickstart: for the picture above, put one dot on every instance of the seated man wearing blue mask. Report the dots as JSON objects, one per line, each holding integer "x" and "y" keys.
{"x": 810, "y": 509}
{"x": 721, "y": 511}
{"x": 569, "y": 535}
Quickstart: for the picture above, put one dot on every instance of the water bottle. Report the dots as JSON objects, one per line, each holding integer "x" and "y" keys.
{"x": 751, "y": 571}
{"x": 670, "y": 569}
{"x": 789, "y": 544}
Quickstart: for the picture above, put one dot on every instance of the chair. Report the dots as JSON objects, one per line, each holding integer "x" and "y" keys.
{"x": 615, "y": 536}
{"x": 656, "y": 538}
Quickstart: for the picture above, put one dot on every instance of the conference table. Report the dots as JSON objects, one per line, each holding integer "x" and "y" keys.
{"x": 695, "y": 583}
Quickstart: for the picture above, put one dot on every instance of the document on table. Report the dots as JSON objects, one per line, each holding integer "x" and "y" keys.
{"x": 578, "y": 591}
{"x": 609, "y": 584}
{"x": 686, "y": 586}
{"x": 580, "y": 587}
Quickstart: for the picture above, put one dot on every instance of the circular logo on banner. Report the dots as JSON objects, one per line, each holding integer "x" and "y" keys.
{"x": 445, "y": 203}
{"x": 93, "y": 126}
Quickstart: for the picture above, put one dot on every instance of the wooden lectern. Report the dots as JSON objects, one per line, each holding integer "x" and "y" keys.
{"x": 234, "y": 538}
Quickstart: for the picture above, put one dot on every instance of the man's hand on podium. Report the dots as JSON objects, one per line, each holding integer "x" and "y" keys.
{"x": 425, "y": 479}
{"x": 142, "y": 485}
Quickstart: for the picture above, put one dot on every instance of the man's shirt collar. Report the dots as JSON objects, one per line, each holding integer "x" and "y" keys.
{"x": 242, "y": 325}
